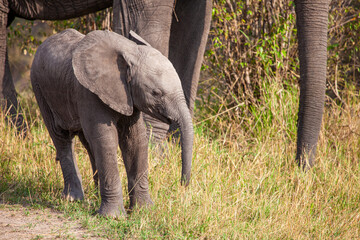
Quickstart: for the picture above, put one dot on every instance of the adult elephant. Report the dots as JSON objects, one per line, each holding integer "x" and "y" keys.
{"x": 179, "y": 29}
{"x": 33, "y": 9}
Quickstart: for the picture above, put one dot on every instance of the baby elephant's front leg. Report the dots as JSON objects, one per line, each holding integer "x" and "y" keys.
{"x": 104, "y": 147}
{"x": 134, "y": 147}
{"x": 102, "y": 139}
{"x": 98, "y": 123}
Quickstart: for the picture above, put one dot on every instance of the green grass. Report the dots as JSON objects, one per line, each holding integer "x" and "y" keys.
{"x": 245, "y": 183}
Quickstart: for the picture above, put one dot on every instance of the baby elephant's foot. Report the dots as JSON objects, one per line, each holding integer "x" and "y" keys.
{"x": 113, "y": 210}
{"x": 72, "y": 193}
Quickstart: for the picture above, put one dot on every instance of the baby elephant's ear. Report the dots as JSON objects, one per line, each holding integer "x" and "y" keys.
{"x": 99, "y": 65}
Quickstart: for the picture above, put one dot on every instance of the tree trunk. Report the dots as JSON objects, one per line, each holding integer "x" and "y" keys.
{"x": 312, "y": 23}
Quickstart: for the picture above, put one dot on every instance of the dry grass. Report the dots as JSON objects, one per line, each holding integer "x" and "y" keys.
{"x": 252, "y": 189}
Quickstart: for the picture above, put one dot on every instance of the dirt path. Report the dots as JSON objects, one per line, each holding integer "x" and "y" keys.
{"x": 18, "y": 222}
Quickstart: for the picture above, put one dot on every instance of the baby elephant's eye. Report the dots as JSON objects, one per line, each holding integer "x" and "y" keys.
{"x": 157, "y": 93}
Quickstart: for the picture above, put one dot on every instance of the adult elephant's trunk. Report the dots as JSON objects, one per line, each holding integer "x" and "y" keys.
{"x": 56, "y": 9}
{"x": 312, "y": 21}
{"x": 183, "y": 119}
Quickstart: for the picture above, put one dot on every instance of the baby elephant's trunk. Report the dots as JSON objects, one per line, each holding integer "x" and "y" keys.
{"x": 187, "y": 138}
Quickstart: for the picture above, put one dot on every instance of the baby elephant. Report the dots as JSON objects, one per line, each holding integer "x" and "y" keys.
{"x": 95, "y": 86}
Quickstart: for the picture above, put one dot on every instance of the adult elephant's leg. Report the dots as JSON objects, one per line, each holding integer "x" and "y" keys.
{"x": 189, "y": 32}
{"x": 151, "y": 20}
{"x": 12, "y": 106}
{"x": 8, "y": 98}
{"x": 312, "y": 23}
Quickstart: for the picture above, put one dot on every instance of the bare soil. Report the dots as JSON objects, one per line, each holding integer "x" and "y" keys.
{"x": 19, "y": 222}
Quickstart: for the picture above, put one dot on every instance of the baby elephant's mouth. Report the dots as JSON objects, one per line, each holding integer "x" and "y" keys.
{"x": 164, "y": 119}
{"x": 160, "y": 116}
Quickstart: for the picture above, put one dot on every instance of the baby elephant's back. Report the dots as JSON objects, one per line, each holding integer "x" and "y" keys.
{"x": 52, "y": 62}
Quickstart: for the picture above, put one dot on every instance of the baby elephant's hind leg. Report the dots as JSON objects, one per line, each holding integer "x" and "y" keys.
{"x": 91, "y": 156}
{"x": 63, "y": 141}
{"x": 72, "y": 179}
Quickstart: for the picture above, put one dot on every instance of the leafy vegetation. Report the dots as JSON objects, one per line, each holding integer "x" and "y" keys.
{"x": 245, "y": 182}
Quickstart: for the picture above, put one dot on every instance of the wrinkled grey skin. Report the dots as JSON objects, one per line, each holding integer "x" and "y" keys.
{"x": 96, "y": 87}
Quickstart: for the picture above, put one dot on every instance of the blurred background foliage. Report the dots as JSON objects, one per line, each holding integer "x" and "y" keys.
{"x": 252, "y": 47}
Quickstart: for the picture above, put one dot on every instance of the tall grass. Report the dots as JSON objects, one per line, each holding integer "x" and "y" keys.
{"x": 252, "y": 189}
